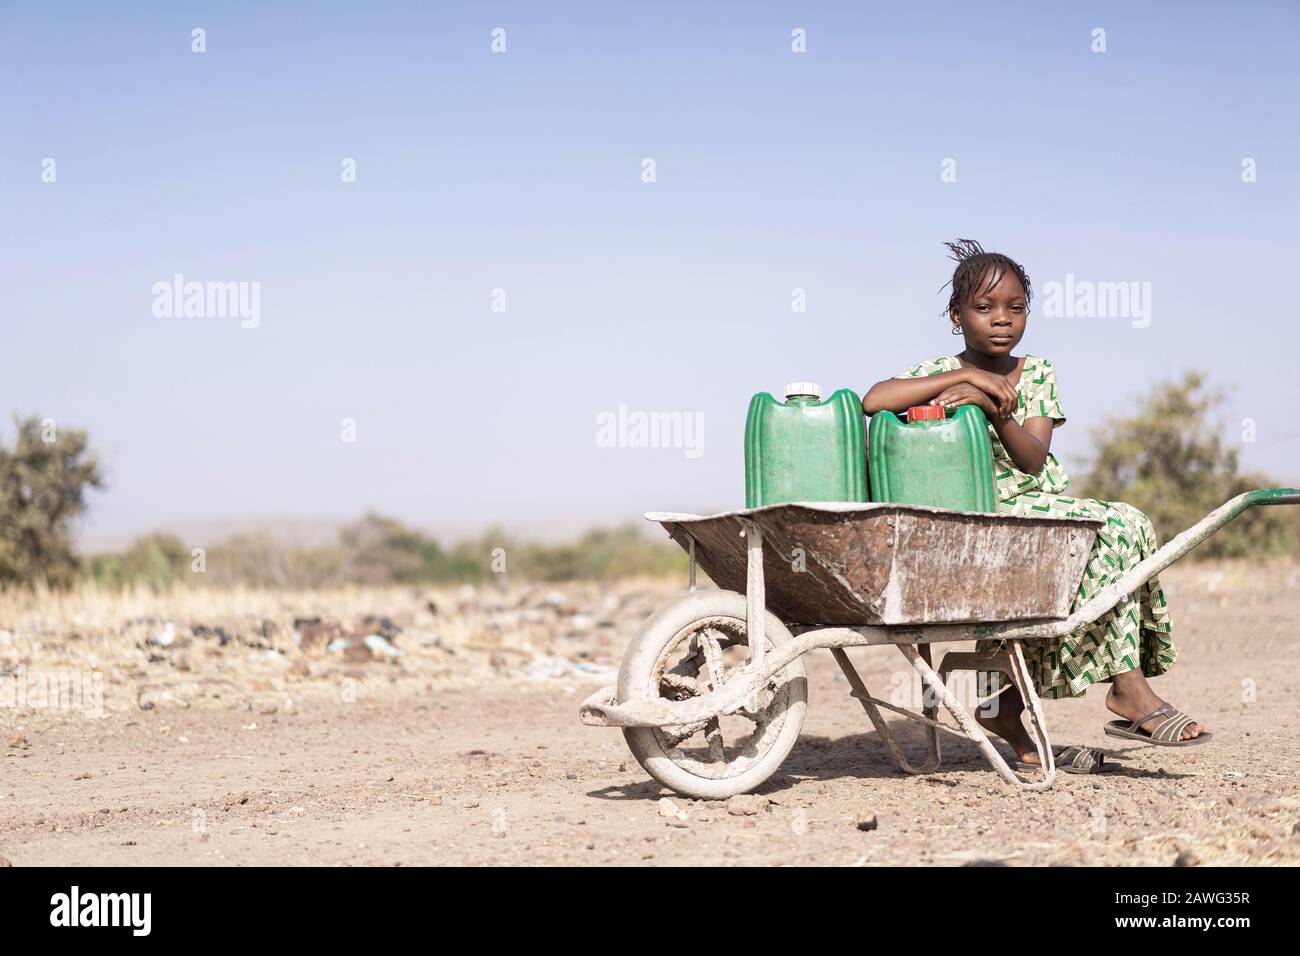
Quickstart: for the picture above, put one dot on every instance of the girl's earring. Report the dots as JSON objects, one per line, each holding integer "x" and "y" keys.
{"x": 956, "y": 330}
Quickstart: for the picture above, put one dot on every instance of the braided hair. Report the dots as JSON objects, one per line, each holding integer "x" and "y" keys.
{"x": 978, "y": 271}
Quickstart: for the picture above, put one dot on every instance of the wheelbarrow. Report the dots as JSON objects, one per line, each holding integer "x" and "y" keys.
{"x": 712, "y": 692}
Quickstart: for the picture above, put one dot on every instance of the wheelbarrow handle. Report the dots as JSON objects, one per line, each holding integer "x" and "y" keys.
{"x": 1271, "y": 496}
{"x": 1144, "y": 570}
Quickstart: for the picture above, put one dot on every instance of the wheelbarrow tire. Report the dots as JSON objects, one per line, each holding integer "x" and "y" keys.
{"x": 636, "y": 679}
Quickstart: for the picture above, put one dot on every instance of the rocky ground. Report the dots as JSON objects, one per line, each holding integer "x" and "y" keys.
{"x": 403, "y": 727}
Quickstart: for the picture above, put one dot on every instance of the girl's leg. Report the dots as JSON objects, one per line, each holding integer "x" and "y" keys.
{"x": 1131, "y": 697}
{"x": 1001, "y": 717}
{"x": 1122, "y": 647}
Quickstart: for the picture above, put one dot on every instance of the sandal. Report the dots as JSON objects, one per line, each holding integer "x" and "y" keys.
{"x": 1075, "y": 759}
{"x": 1166, "y": 734}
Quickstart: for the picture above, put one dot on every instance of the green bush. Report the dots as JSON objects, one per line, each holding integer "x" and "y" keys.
{"x": 43, "y": 483}
{"x": 602, "y": 554}
{"x": 1169, "y": 459}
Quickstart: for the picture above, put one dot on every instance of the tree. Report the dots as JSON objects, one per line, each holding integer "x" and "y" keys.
{"x": 603, "y": 554}
{"x": 382, "y": 550}
{"x": 156, "y": 560}
{"x": 43, "y": 483}
{"x": 1170, "y": 460}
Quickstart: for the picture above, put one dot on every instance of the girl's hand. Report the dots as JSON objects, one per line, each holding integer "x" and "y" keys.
{"x": 997, "y": 388}
{"x": 967, "y": 394}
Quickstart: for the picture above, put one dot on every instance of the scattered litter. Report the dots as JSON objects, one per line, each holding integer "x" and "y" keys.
{"x": 383, "y": 626}
{"x": 381, "y": 645}
{"x": 165, "y": 637}
{"x": 548, "y": 667}
{"x": 362, "y": 647}
{"x": 309, "y": 633}
{"x": 203, "y": 630}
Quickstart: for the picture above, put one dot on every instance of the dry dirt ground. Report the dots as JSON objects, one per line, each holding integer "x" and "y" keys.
{"x": 237, "y": 754}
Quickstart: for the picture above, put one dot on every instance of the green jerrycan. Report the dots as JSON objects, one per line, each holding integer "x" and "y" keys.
{"x": 936, "y": 459}
{"x": 804, "y": 449}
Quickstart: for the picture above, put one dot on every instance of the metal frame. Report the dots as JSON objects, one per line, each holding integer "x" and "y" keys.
{"x": 603, "y": 708}
{"x": 967, "y": 727}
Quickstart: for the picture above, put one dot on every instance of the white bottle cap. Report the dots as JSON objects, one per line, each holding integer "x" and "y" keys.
{"x": 804, "y": 389}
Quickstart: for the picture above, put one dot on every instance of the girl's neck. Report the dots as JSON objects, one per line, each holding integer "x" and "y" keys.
{"x": 1003, "y": 365}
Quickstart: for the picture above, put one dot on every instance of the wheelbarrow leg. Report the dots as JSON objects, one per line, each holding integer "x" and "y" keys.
{"x": 755, "y": 602}
{"x": 970, "y": 728}
{"x": 1037, "y": 721}
{"x": 930, "y": 708}
{"x": 877, "y": 720}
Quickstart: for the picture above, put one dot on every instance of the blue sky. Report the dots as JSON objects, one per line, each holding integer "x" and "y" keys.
{"x": 522, "y": 171}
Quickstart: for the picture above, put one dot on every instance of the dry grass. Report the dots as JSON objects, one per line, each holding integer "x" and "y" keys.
{"x": 184, "y": 646}
{"x": 213, "y": 646}
{"x": 260, "y": 736}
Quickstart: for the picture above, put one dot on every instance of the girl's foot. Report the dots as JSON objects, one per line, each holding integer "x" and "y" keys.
{"x": 1133, "y": 698}
{"x": 1007, "y": 725}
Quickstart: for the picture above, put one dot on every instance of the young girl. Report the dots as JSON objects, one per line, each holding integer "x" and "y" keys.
{"x": 988, "y": 308}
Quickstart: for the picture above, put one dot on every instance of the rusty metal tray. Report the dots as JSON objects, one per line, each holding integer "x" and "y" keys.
{"x": 885, "y": 564}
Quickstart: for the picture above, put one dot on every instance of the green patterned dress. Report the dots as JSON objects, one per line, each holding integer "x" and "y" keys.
{"x": 1136, "y": 634}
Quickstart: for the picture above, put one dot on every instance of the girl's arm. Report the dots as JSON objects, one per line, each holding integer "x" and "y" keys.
{"x": 1027, "y": 444}
{"x": 899, "y": 394}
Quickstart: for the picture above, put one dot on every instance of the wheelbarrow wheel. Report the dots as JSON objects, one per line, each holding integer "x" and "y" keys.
{"x": 689, "y": 648}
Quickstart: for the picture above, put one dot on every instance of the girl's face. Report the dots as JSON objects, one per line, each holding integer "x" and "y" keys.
{"x": 993, "y": 321}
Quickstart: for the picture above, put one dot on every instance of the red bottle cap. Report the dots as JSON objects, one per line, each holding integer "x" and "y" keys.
{"x": 925, "y": 413}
